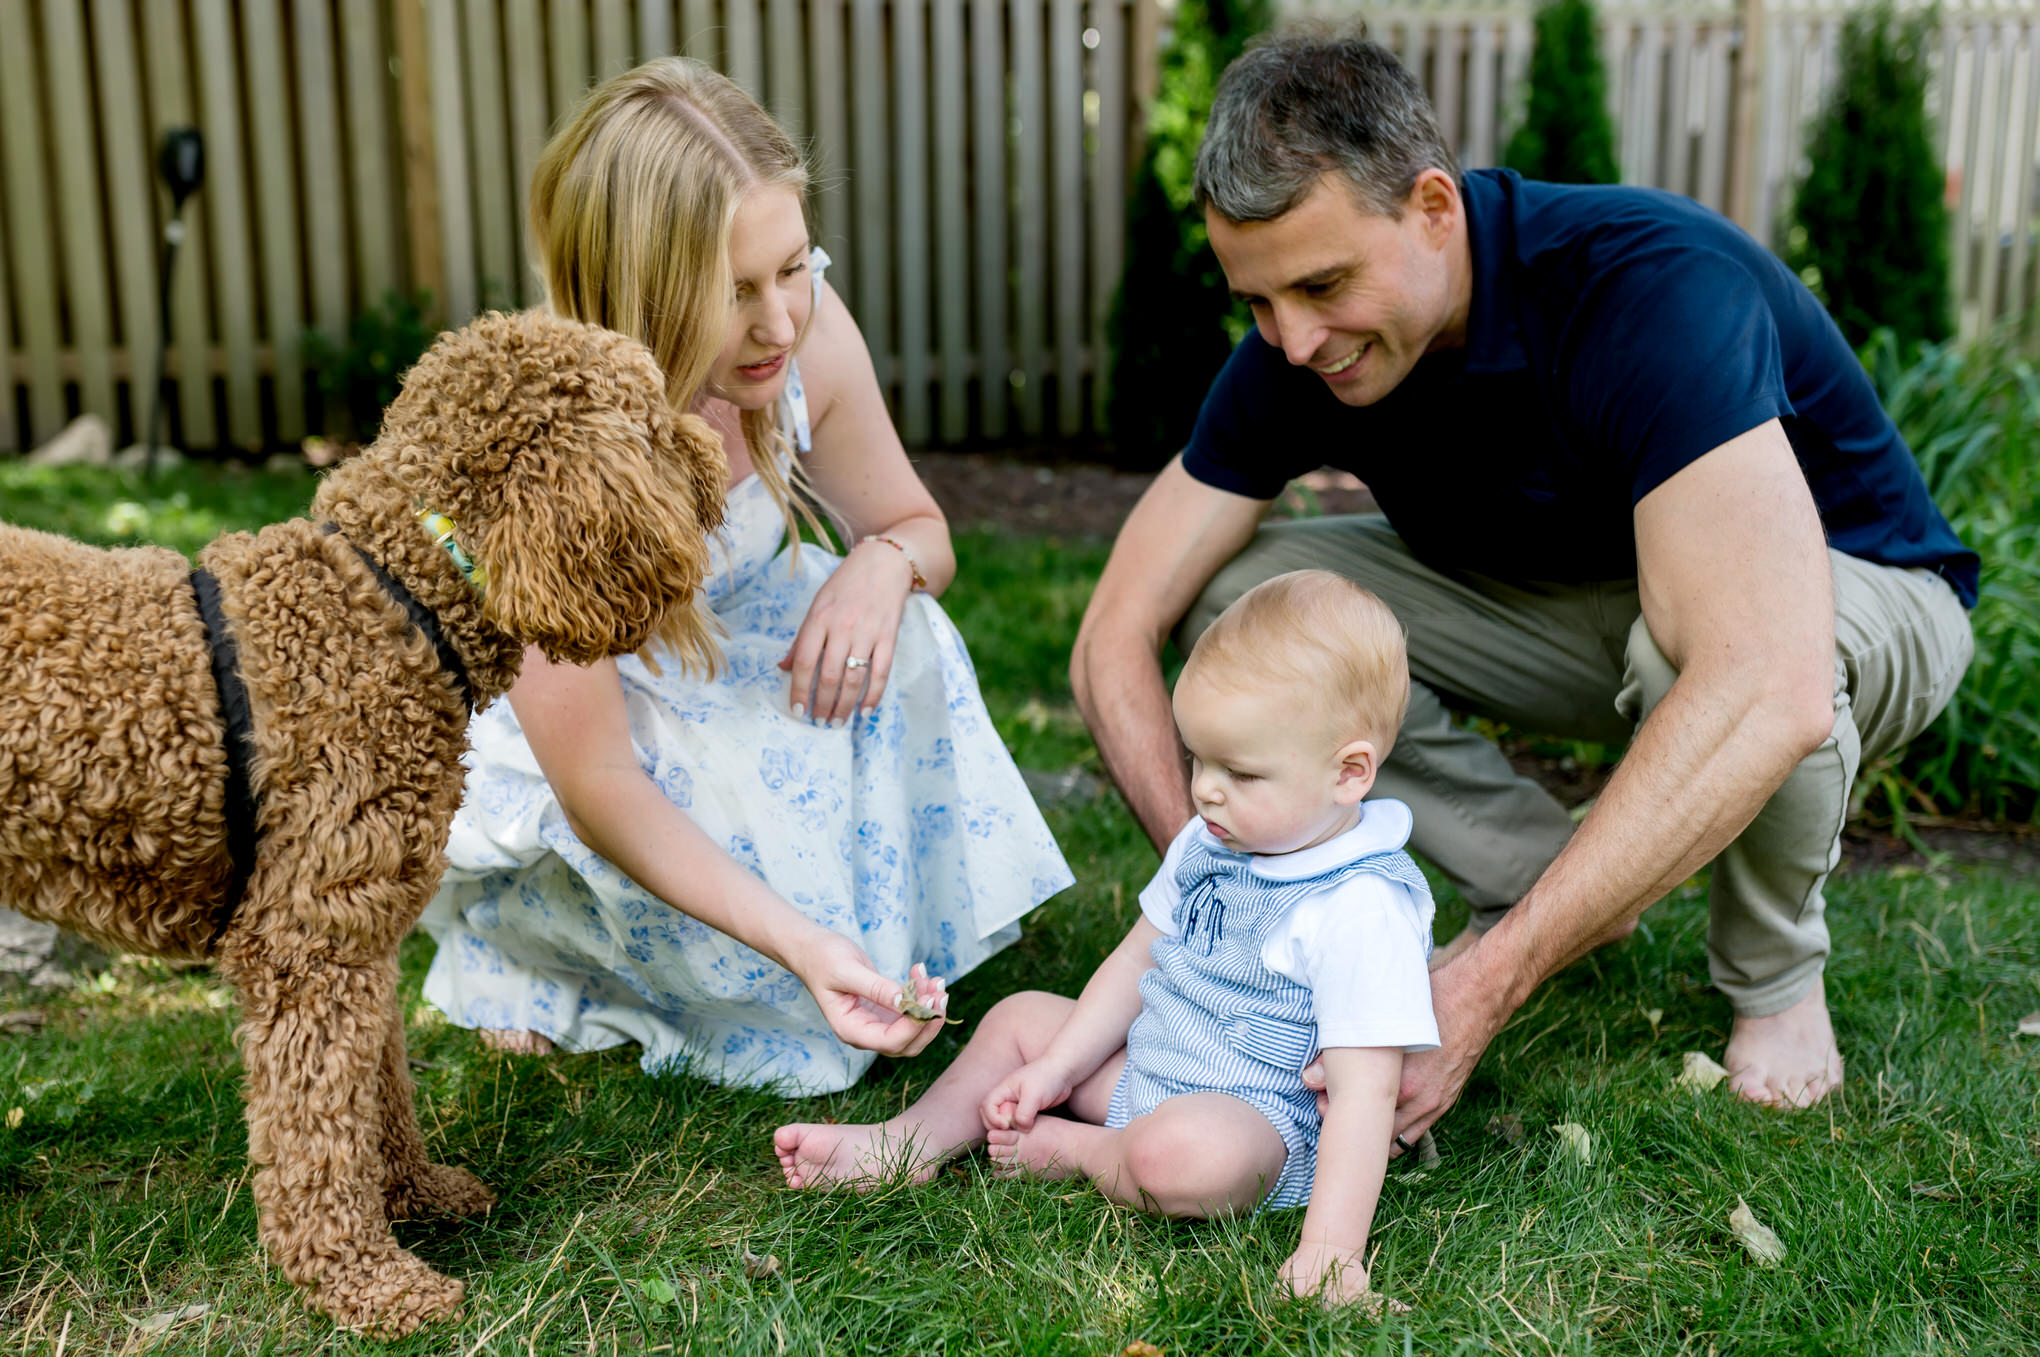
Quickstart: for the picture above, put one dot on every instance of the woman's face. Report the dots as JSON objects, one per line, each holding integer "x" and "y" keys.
{"x": 769, "y": 259}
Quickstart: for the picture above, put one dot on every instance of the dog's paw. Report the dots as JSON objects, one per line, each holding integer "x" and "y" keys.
{"x": 439, "y": 1190}
{"x": 389, "y": 1298}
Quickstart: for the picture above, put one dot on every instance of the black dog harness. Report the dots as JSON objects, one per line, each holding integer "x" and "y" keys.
{"x": 243, "y": 808}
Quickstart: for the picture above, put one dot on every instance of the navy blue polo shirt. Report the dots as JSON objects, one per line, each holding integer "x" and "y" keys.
{"x": 1615, "y": 336}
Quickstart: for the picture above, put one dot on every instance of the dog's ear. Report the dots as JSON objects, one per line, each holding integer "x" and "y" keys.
{"x": 595, "y": 543}
{"x": 596, "y": 531}
{"x": 586, "y": 498}
{"x": 687, "y": 443}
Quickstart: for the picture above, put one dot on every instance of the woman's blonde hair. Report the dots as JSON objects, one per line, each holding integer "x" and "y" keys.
{"x": 1319, "y": 632}
{"x": 631, "y": 209}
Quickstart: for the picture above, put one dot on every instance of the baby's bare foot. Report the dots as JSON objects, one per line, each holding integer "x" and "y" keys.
{"x": 823, "y": 1154}
{"x": 512, "y": 1042}
{"x": 1786, "y": 1059}
{"x": 1048, "y": 1151}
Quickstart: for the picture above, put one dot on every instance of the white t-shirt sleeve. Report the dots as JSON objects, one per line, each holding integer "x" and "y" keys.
{"x": 1362, "y": 948}
{"x": 1159, "y": 898}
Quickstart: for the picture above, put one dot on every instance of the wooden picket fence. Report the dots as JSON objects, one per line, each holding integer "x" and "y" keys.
{"x": 973, "y": 161}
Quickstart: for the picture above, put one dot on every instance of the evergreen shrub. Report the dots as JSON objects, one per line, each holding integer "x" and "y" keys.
{"x": 1567, "y": 136}
{"x": 1174, "y": 321}
{"x": 360, "y": 372}
{"x": 1869, "y": 232}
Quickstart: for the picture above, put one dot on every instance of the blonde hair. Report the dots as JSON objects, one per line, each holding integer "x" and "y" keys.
{"x": 1320, "y": 632}
{"x": 631, "y": 209}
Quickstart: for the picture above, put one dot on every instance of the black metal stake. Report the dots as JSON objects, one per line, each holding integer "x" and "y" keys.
{"x": 181, "y": 162}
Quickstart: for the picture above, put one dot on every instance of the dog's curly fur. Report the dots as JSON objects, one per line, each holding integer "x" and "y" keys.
{"x": 589, "y": 503}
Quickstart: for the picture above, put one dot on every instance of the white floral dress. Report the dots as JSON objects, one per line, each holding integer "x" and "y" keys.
{"x": 908, "y": 830}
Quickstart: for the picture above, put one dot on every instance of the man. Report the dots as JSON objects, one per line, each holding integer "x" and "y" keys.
{"x": 1635, "y": 486}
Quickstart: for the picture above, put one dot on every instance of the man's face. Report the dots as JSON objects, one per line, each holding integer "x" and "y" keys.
{"x": 1355, "y": 296}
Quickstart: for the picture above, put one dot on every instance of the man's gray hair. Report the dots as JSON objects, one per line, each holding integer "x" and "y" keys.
{"x": 1292, "y": 108}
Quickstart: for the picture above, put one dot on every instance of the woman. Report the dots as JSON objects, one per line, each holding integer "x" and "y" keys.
{"x": 734, "y": 869}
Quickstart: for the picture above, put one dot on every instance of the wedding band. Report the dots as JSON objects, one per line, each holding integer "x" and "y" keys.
{"x": 854, "y": 663}
{"x": 1405, "y": 1146}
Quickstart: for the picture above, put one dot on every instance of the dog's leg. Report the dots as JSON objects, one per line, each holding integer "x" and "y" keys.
{"x": 415, "y": 1186}
{"x": 313, "y": 1044}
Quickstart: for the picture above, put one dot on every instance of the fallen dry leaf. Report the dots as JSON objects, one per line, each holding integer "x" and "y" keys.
{"x": 163, "y": 1322}
{"x": 910, "y": 1003}
{"x": 1758, "y": 1238}
{"x": 14, "y": 1116}
{"x": 1699, "y": 1072}
{"x": 1933, "y": 1192}
{"x": 2029, "y": 1026}
{"x": 1508, "y": 1126}
{"x": 757, "y": 1269}
{"x": 1140, "y": 1347}
{"x": 1577, "y": 1142}
{"x": 22, "y": 1020}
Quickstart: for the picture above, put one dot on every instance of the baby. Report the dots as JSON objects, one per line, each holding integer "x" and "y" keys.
{"x": 1286, "y": 924}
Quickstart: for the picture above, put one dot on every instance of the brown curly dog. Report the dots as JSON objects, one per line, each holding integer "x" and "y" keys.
{"x": 352, "y": 645}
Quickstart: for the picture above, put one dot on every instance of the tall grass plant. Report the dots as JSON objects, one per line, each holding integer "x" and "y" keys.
{"x": 1971, "y": 414}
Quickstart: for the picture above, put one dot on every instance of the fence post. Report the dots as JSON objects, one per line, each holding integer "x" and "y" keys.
{"x": 1743, "y": 164}
{"x": 421, "y": 168}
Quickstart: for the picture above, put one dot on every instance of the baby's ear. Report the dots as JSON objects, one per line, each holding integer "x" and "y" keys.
{"x": 1358, "y": 764}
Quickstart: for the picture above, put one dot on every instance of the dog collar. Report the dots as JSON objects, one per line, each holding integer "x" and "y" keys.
{"x": 442, "y": 529}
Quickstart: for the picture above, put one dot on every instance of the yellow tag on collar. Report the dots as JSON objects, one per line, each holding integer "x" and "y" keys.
{"x": 442, "y": 529}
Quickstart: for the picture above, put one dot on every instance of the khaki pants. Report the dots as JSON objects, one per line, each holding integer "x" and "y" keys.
{"x": 1577, "y": 661}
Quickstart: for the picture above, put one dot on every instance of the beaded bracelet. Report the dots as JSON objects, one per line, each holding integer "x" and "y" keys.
{"x": 920, "y": 581}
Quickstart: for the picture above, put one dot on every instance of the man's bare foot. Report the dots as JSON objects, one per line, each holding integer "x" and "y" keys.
{"x": 1461, "y": 941}
{"x": 1786, "y": 1059}
{"x": 861, "y": 1155}
{"x": 1051, "y": 1150}
{"x": 512, "y": 1042}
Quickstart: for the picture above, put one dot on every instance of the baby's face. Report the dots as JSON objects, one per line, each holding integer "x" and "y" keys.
{"x": 1264, "y": 773}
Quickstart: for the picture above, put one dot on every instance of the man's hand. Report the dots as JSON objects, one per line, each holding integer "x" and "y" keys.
{"x": 1469, "y": 1018}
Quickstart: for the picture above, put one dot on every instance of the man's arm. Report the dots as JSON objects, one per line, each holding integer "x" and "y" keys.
{"x": 1177, "y": 537}
{"x": 1733, "y": 572}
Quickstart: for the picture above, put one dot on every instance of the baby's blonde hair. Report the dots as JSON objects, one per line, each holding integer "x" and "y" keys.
{"x": 631, "y": 209}
{"x": 1319, "y": 632}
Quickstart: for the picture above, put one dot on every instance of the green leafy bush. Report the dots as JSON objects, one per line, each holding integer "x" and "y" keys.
{"x": 1567, "y": 136}
{"x": 362, "y": 371}
{"x": 1972, "y": 416}
{"x": 1870, "y": 228}
{"x": 1174, "y": 321}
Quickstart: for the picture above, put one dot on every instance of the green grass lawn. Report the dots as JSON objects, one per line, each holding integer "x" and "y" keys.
{"x": 1909, "y": 1205}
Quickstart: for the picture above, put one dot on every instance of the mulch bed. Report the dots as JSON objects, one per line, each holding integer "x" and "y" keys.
{"x": 1024, "y": 492}
{"x": 1034, "y": 491}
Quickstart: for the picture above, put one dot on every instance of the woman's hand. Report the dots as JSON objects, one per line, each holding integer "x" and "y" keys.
{"x": 1015, "y": 1100}
{"x": 845, "y": 644}
{"x": 860, "y": 1004}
